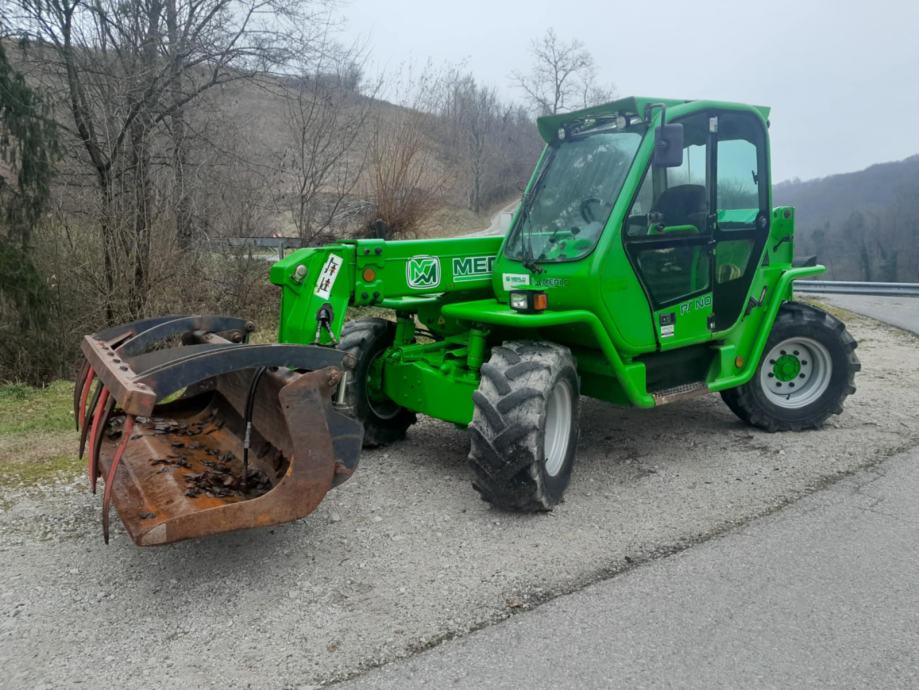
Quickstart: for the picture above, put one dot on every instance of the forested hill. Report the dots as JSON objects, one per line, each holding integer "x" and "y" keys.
{"x": 863, "y": 225}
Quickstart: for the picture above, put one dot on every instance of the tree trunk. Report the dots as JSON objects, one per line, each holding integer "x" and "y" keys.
{"x": 180, "y": 198}
{"x": 181, "y": 202}
{"x": 106, "y": 201}
{"x": 140, "y": 163}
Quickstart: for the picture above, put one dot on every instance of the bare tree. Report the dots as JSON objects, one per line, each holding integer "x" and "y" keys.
{"x": 473, "y": 115}
{"x": 326, "y": 119}
{"x": 563, "y": 76}
{"x": 404, "y": 183}
{"x": 491, "y": 145}
{"x": 132, "y": 68}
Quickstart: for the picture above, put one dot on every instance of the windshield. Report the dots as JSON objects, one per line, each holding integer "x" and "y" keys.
{"x": 571, "y": 199}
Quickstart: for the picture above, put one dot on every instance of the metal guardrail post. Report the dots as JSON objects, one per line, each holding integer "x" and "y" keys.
{"x": 282, "y": 244}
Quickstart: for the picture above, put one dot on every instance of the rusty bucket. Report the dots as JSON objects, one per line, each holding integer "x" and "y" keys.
{"x": 195, "y": 432}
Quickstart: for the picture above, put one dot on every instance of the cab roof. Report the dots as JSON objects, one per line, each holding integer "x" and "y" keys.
{"x": 635, "y": 105}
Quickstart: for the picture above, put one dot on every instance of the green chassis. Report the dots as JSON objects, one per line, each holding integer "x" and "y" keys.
{"x": 457, "y": 290}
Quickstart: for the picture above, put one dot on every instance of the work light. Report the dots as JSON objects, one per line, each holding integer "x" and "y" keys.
{"x": 529, "y": 301}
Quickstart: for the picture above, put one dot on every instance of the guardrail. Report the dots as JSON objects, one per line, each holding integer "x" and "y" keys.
{"x": 844, "y": 287}
{"x": 280, "y": 243}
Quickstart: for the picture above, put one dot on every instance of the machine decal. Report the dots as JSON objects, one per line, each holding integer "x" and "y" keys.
{"x": 552, "y": 282}
{"x": 327, "y": 276}
{"x": 422, "y": 272}
{"x": 472, "y": 268}
{"x": 514, "y": 280}
{"x": 698, "y": 303}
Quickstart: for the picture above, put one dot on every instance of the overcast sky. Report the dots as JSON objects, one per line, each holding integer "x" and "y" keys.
{"x": 841, "y": 77}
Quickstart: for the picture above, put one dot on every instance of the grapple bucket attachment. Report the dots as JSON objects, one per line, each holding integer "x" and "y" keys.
{"x": 196, "y": 433}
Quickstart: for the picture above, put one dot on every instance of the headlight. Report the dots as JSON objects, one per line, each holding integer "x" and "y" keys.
{"x": 529, "y": 301}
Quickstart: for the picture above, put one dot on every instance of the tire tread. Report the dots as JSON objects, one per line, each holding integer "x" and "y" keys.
{"x": 504, "y": 427}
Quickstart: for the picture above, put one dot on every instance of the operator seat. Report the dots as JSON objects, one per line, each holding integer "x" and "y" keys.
{"x": 685, "y": 204}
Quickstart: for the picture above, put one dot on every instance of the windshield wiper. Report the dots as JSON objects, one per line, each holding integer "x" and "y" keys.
{"x": 529, "y": 262}
{"x": 526, "y": 243}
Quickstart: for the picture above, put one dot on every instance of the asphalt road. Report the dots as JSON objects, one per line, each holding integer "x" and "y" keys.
{"x": 902, "y": 312}
{"x": 824, "y": 593}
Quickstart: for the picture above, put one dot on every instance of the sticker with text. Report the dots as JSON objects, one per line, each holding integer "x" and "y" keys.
{"x": 327, "y": 276}
{"x": 514, "y": 280}
{"x": 472, "y": 268}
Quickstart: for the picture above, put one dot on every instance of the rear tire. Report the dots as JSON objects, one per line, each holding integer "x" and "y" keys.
{"x": 384, "y": 421}
{"x": 524, "y": 430}
{"x": 806, "y": 373}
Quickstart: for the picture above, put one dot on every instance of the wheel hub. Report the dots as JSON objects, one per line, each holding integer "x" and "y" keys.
{"x": 787, "y": 367}
{"x": 796, "y": 372}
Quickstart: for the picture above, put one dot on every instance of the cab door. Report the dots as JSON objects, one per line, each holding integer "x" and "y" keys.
{"x": 741, "y": 200}
{"x": 669, "y": 239}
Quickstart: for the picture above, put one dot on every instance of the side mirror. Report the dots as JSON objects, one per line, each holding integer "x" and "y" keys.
{"x": 668, "y": 146}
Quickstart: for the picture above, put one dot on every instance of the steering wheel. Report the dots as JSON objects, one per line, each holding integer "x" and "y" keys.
{"x": 586, "y": 211}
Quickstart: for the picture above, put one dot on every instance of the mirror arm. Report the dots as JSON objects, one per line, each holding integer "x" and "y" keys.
{"x": 649, "y": 112}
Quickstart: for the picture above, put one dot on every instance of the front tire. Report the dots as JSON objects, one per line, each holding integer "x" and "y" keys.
{"x": 384, "y": 421}
{"x": 806, "y": 373}
{"x": 524, "y": 429}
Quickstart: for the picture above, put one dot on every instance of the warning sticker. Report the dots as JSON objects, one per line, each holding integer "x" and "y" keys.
{"x": 327, "y": 276}
{"x": 668, "y": 325}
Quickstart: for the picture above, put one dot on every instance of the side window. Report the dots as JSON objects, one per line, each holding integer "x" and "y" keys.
{"x": 668, "y": 224}
{"x": 692, "y": 171}
{"x": 731, "y": 257}
{"x": 740, "y": 189}
{"x": 738, "y": 175}
{"x": 673, "y": 273}
{"x": 674, "y": 201}
{"x": 637, "y": 221}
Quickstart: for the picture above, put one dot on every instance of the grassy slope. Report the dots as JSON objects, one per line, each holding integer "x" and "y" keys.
{"x": 37, "y": 437}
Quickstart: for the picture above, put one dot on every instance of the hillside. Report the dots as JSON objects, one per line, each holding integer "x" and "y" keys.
{"x": 863, "y": 225}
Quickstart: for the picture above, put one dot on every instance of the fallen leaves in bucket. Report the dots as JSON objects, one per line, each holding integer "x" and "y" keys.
{"x": 218, "y": 481}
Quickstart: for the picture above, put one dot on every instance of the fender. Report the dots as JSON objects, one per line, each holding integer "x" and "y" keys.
{"x": 782, "y": 293}
{"x": 488, "y": 311}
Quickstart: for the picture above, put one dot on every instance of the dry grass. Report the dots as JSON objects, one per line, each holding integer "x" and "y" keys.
{"x": 838, "y": 312}
{"x": 451, "y": 221}
{"x": 37, "y": 439}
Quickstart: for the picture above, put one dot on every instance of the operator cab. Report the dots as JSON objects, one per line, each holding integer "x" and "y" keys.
{"x": 680, "y": 189}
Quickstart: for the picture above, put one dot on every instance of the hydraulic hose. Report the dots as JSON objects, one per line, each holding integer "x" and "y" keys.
{"x": 250, "y": 404}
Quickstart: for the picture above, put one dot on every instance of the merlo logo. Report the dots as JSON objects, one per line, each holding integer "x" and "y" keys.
{"x": 422, "y": 272}
{"x": 472, "y": 268}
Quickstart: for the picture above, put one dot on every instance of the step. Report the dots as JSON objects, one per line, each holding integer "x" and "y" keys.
{"x": 687, "y": 390}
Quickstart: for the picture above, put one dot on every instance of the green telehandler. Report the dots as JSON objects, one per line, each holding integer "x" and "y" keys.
{"x": 645, "y": 265}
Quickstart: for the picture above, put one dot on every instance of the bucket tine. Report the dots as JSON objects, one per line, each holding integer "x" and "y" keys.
{"x": 90, "y": 412}
{"x": 80, "y": 412}
{"x": 106, "y": 403}
{"x": 78, "y": 394}
{"x": 127, "y": 430}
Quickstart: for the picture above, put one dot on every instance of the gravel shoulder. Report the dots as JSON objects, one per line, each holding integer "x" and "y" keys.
{"x": 405, "y": 554}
